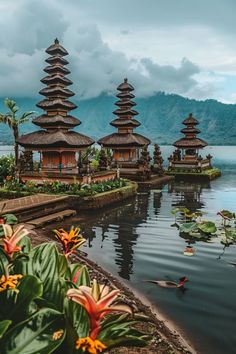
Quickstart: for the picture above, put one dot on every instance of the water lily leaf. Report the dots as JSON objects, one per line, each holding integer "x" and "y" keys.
{"x": 226, "y": 214}
{"x": 195, "y": 234}
{"x": 175, "y": 211}
{"x": 207, "y": 227}
{"x": 231, "y": 233}
{"x": 188, "y": 227}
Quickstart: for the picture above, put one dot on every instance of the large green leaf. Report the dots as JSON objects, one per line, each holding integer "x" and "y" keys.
{"x": 117, "y": 330}
{"x": 45, "y": 264}
{"x": 3, "y": 261}
{"x": 25, "y": 244}
{"x": 77, "y": 317}
{"x": 4, "y": 326}
{"x": 188, "y": 227}
{"x": 35, "y": 335}
{"x": 16, "y": 305}
{"x": 10, "y": 219}
{"x": 62, "y": 264}
{"x": 79, "y": 274}
{"x": 208, "y": 227}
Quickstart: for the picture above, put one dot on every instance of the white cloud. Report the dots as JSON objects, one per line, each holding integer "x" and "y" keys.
{"x": 107, "y": 43}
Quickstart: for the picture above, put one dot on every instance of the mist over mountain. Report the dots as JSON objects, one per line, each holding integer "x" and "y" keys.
{"x": 160, "y": 115}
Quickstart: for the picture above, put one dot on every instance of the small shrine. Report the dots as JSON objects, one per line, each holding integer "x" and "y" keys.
{"x": 59, "y": 146}
{"x": 126, "y": 145}
{"x": 187, "y": 158}
{"x": 157, "y": 161}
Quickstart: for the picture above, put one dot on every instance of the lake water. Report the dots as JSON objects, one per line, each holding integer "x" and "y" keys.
{"x": 135, "y": 241}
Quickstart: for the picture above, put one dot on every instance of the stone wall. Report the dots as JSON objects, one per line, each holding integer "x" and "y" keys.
{"x": 103, "y": 199}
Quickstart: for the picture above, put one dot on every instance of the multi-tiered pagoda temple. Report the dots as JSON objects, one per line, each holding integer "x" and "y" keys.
{"x": 125, "y": 144}
{"x": 187, "y": 155}
{"x": 56, "y": 142}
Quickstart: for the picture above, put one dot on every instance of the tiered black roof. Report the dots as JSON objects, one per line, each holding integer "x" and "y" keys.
{"x": 56, "y": 121}
{"x": 190, "y": 140}
{"x": 125, "y": 119}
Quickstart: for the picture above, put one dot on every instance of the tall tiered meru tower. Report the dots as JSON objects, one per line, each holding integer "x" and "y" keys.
{"x": 125, "y": 144}
{"x": 57, "y": 143}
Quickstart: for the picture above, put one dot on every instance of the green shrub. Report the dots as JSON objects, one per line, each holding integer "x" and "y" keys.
{"x": 45, "y": 306}
{"x": 7, "y": 164}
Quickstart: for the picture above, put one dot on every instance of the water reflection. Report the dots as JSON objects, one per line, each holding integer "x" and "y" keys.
{"x": 186, "y": 194}
{"x": 119, "y": 227}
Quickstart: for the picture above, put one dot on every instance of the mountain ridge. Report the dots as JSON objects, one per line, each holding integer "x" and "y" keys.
{"x": 160, "y": 115}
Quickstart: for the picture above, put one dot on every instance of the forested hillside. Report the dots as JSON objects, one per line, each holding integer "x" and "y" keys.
{"x": 161, "y": 116}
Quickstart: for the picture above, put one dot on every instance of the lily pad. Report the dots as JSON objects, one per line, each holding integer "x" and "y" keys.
{"x": 231, "y": 233}
{"x": 207, "y": 227}
{"x": 188, "y": 227}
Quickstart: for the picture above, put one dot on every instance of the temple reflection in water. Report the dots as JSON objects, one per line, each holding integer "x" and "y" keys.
{"x": 117, "y": 233}
{"x": 119, "y": 227}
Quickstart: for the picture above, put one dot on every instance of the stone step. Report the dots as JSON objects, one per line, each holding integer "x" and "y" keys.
{"x": 51, "y": 218}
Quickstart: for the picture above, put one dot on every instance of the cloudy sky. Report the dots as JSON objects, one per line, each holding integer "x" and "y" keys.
{"x": 185, "y": 47}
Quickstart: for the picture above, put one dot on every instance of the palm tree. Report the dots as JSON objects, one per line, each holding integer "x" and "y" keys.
{"x": 12, "y": 119}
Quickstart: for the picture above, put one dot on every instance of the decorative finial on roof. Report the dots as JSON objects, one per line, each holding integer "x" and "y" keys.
{"x": 190, "y": 114}
{"x": 126, "y": 80}
{"x": 56, "y": 41}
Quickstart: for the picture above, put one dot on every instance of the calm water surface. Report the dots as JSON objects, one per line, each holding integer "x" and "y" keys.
{"x": 136, "y": 241}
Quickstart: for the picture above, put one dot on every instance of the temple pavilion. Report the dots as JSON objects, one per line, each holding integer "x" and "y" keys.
{"x": 187, "y": 156}
{"x": 56, "y": 142}
{"x": 125, "y": 144}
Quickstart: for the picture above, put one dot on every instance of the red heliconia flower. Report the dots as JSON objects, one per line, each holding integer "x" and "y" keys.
{"x": 97, "y": 301}
{"x": 12, "y": 238}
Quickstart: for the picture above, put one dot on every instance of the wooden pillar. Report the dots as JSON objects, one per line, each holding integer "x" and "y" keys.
{"x": 60, "y": 162}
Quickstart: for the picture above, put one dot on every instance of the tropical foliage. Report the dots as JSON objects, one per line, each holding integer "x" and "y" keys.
{"x": 7, "y": 164}
{"x": 13, "y": 120}
{"x": 50, "y": 305}
{"x": 57, "y": 187}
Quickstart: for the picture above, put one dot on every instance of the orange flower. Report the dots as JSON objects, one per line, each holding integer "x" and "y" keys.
{"x": 58, "y": 334}
{"x": 97, "y": 301}
{"x": 89, "y": 345}
{"x": 12, "y": 237}
{"x": 9, "y": 282}
{"x": 70, "y": 240}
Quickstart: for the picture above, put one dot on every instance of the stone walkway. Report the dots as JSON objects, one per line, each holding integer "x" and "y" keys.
{"x": 12, "y": 205}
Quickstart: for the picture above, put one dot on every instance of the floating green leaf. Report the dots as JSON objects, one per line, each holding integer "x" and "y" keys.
{"x": 207, "y": 227}
{"x": 188, "y": 227}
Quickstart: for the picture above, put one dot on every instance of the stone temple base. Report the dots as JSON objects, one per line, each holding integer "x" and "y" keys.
{"x": 39, "y": 177}
{"x": 208, "y": 174}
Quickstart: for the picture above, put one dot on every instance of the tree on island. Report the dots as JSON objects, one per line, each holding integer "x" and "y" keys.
{"x": 12, "y": 119}
{"x": 103, "y": 160}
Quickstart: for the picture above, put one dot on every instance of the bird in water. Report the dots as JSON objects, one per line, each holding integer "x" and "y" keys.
{"x": 169, "y": 283}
